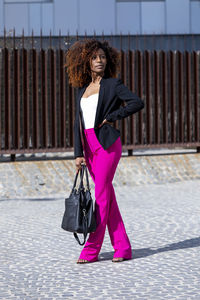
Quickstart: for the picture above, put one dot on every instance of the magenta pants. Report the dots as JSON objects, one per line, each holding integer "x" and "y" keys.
{"x": 102, "y": 165}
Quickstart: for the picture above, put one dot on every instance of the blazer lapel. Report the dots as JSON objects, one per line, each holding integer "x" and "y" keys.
{"x": 81, "y": 94}
{"x": 100, "y": 100}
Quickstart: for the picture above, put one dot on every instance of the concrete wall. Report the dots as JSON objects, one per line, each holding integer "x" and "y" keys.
{"x": 110, "y": 16}
{"x": 54, "y": 178}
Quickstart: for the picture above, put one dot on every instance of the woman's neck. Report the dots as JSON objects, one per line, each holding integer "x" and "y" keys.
{"x": 96, "y": 78}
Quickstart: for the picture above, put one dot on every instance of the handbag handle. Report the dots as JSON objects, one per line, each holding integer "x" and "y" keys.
{"x": 87, "y": 180}
{"x": 75, "y": 180}
{"x": 81, "y": 172}
{"x": 81, "y": 186}
{"x": 84, "y": 170}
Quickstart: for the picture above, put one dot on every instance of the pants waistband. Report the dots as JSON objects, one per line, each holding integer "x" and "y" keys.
{"x": 89, "y": 131}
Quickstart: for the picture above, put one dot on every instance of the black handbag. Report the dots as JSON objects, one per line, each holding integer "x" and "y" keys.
{"x": 79, "y": 213}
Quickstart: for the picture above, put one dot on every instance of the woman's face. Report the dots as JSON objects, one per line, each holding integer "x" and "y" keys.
{"x": 98, "y": 61}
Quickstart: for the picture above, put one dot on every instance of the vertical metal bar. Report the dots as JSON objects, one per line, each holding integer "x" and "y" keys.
{"x": 35, "y": 98}
{"x": 59, "y": 39}
{"x": 7, "y": 98}
{"x": 41, "y": 39}
{"x": 71, "y": 115}
{"x": 131, "y": 67}
{"x": 73, "y": 111}
{"x": 50, "y": 40}
{"x": 164, "y": 97}
{"x": 26, "y": 115}
{"x": 180, "y": 97}
{"x": 122, "y": 66}
{"x": 136, "y": 43}
{"x": 53, "y": 97}
{"x": 43, "y": 68}
{"x": 145, "y": 41}
{"x": 62, "y": 98}
{"x": 140, "y": 93}
{"x": 16, "y": 100}
{"x": 172, "y": 95}
{"x": 157, "y": 97}
{"x": 124, "y": 121}
{"x": 4, "y": 38}
{"x": 188, "y": 94}
{"x": 103, "y": 36}
{"x": 111, "y": 39}
{"x": 148, "y": 98}
{"x": 129, "y": 41}
{"x": 1, "y": 100}
{"x": 196, "y": 97}
{"x": 131, "y": 78}
{"x": 123, "y": 77}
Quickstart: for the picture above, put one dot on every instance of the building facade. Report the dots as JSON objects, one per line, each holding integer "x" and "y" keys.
{"x": 107, "y": 16}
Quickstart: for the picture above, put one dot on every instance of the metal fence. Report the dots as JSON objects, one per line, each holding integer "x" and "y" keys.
{"x": 37, "y": 104}
{"x": 159, "y": 42}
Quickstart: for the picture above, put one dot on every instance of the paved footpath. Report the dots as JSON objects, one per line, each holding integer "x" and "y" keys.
{"x": 37, "y": 257}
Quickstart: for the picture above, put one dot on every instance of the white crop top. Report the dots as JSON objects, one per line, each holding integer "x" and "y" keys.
{"x": 88, "y": 108}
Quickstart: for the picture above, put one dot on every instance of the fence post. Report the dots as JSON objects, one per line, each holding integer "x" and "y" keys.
{"x": 196, "y": 96}
{"x": 148, "y": 98}
{"x": 164, "y": 97}
{"x": 130, "y": 152}
{"x": 188, "y": 94}
{"x": 16, "y": 75}
{"x": 12, "y": 157}
{"x": 140, "y": 94}
{"x": 157, "y": 96}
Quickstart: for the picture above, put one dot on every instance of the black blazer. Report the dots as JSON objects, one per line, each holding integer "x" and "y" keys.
{"x": 112, "y": 94}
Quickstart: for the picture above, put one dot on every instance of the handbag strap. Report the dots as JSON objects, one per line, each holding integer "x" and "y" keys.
{"x": 84, "y": 170}
{"x": 85, "y": 229}
{"x": 81, "y": 186}
{"x": 78, "y": 240}
{"x": 75, "y": 181}
{"x": 85, "y": 223}
{"x": 81, "y": 172}
{"x": 87, "y": 180}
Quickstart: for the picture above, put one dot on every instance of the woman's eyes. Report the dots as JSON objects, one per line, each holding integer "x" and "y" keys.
{"x": 101, "y": 56}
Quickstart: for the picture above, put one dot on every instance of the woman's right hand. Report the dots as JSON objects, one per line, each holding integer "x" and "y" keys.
{"x": 78, "y": 162}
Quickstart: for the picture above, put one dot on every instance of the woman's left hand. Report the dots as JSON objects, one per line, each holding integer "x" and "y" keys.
{"x": 104, "y": 122}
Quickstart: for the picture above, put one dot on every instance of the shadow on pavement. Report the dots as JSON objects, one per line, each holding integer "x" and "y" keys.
{"x": 144, "y": 252}
{"x": 33, "y": 199}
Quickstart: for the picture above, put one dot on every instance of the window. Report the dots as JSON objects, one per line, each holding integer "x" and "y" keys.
{"x": 143, "y": 0}
{"x": 26, "y": 1}
{"x": 132, "y": 16}
{"x": 128, "y": 18}
{"x": 194, "y": 16}
{"x": 153, "y": 17}
{"x": 28, "y": 15}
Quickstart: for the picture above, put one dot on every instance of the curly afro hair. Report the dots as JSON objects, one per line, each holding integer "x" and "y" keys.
{"x": 78, "y": 61}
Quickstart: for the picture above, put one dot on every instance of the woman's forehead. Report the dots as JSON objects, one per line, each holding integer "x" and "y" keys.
{"x": 98, "y": 51}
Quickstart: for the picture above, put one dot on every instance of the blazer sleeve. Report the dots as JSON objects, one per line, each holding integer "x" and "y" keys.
{"x": 78, "y": 147}
{"x": 133, "y": 103}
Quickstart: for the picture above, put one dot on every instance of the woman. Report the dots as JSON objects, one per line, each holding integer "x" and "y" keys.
{"x": 92, "y": 66}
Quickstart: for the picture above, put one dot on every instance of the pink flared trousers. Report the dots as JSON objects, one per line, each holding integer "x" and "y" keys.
{"x": 102, "y": 165}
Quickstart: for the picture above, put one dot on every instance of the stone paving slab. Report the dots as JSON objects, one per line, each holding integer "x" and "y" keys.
{"x": 38, "y": 257}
